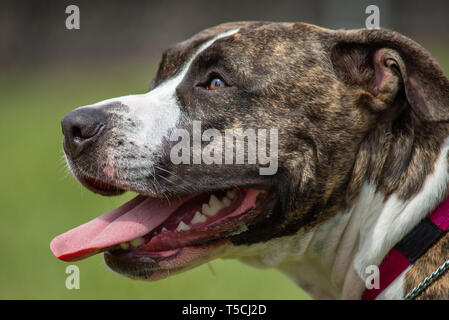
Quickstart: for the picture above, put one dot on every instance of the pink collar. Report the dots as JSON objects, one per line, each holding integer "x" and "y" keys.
{"x": 411, "y": 247}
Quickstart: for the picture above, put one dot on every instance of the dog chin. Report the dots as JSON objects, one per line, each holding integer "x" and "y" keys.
{"x": 147, "y": 265}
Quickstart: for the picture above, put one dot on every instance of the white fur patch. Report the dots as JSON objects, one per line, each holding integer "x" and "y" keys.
{"x": 381, "y": 231}
{"x": 158, "y": 110}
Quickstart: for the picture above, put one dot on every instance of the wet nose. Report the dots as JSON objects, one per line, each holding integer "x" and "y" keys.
{"x": 81, "y": 128}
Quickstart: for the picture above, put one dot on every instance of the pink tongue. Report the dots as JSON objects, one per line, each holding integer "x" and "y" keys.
{"x": 134, "y": 219}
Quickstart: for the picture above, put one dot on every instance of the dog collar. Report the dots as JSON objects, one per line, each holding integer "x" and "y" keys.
{"x": 410, "y": 249}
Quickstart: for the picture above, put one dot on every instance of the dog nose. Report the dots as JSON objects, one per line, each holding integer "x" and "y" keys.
{"x": 80, "y": 127}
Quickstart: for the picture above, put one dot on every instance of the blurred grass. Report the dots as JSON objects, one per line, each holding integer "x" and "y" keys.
{"x": 39, "y": 198}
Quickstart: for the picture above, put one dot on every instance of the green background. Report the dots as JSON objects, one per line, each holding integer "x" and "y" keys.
{"x": 40, "y": 199}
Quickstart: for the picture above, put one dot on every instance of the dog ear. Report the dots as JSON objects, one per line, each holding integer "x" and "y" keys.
{"x": 385, "y": 63}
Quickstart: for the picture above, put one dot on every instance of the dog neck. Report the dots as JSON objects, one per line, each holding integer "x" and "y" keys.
{"x": 334, "y": 259}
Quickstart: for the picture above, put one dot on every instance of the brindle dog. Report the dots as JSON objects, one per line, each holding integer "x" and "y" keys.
{"x": 362, "y": 119}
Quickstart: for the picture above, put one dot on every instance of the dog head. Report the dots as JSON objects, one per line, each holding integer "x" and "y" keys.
{"x": 318, "y": 101}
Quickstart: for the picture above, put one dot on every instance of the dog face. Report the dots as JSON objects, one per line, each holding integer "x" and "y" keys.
{"x": 325, "y": 92}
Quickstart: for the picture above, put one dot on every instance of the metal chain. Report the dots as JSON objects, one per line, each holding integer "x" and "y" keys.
{"x": 427, "y": 281}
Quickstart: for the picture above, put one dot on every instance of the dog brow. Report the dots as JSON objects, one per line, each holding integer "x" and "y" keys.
{"x": 203, "y": 47}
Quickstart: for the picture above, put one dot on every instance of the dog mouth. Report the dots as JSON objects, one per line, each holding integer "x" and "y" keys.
{"x": 149, "y": 237}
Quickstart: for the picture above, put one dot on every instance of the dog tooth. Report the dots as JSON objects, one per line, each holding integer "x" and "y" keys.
{"x": 198, "y": 217}
{"x": 137, "y": 242}
{"x": 182, "y": 226}
{"x": 164, "y": 229}
{"x": 214, "y": 206}
{"x": 124, "y": 245}
{"x": 213, "y": 201}
{"x": 226, "y": 201}
{"x": 208, "y": 211}
{"x": 205, "y": 208}
{"x": 231, "y": 193}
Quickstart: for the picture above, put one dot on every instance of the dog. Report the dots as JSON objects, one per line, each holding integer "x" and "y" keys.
{"x": 362, "y": 123}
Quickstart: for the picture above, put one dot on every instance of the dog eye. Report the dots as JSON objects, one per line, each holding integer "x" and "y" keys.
{"x": 216, "y": 83}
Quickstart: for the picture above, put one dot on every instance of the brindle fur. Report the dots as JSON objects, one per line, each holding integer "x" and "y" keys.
{"x": 427, "y": 264}
{"x": 350, "y": 106}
